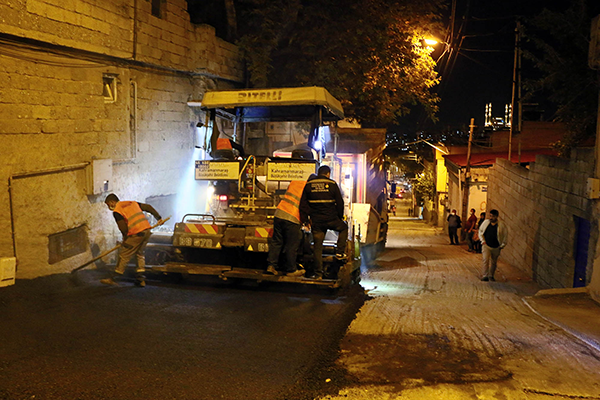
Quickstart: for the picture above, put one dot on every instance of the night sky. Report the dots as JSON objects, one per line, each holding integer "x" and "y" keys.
{"x": 483, "y": 70}
{"x": 479, "y": 73}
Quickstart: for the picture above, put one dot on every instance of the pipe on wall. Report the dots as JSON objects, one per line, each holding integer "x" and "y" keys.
{"x": 134, "y": 115}
{"x": 23, "y": 175}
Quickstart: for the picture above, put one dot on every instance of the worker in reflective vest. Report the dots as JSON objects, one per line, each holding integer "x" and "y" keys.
{"x": 228, "y": 144}
{"x": 135, "y": 228}
{"x": 287, "y": 233}
{"x": 323, "y": 202}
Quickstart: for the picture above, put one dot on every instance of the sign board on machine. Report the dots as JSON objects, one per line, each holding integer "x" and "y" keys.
{"x": 290, "y": 171}
{"x": 217, "y": 170}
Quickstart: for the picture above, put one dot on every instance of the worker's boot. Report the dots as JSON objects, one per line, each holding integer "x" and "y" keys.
{"x": 271, "y": 270}
{"x": 341, "y": 256}
{"x": 140, "y": 280}
{"x": 109, "y": 281}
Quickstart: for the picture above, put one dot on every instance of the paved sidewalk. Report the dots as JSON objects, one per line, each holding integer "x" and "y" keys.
{"x": 570, "y": 309}
{"x": 433, "y": 330}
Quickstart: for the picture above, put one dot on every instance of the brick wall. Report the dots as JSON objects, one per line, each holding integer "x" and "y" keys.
{"x": 539, "y": 206}
{"x": 125, "y": 29}
{"x": 54, "y": 118}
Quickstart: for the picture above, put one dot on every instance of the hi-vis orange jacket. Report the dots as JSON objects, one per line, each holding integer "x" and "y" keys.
{"x": 224, "y": 144}
{"x": 136, "y": 220}
{"x": 289, "y": 206}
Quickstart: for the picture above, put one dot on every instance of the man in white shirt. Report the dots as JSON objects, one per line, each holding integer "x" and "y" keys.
{"x": 493, "y": 236}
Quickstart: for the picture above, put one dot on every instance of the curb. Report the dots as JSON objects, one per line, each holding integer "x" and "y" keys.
{"x": 554, "y": 292}
{"x": 592, "y": 343}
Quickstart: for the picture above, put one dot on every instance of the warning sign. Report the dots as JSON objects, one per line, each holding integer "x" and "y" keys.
{"x": 217, "y": 170}
{"x": 290, "y": 171}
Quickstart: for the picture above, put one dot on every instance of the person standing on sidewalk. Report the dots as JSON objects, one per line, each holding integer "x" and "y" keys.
{"x": 493, "y": 235}
{"x": 454, "y": 223}
{"x": 287, "y": 233}
{"x": 470, "y": 228}
{"x": 323, "y": 202}
{"x": 135, "y": 228}
{"x": 476, "y": 240}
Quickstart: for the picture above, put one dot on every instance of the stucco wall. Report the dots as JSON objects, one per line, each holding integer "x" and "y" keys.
{"x": 54, "y": 118}
{"x": 539, "y": 206}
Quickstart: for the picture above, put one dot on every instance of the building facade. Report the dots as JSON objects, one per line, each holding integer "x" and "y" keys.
{"x": 94, "y": 100}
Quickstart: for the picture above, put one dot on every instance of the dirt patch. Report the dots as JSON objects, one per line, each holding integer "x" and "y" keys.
{"x": 399, "y": 263}
{"x": 416, "y": 360}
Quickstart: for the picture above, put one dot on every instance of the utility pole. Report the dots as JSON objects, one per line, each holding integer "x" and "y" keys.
{"x": 516, "y": 90}
{"x": 465, "y": 203}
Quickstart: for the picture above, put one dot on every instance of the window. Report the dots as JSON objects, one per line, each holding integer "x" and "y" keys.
{"x": 109, "y": 90}
{"x": 156, "y": 11}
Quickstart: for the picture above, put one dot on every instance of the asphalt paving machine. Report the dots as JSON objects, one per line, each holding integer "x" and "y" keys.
{"x": 230, "y": 237}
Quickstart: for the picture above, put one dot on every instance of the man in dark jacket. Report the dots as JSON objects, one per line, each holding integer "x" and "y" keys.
{"x": 322, "y": 201}
{"x": 454, "y": 223}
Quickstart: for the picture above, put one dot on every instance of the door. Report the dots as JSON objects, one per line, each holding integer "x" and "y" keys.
{"x": 582, "y": 238}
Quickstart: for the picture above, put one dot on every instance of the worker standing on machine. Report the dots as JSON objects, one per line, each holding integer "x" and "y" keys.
{"x": 323, "y": 202}
{"x": 135, "y": 228}
{"x": 287, "y": 233}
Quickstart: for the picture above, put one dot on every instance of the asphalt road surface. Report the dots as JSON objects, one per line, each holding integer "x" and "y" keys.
{"x": 197, "y": 340}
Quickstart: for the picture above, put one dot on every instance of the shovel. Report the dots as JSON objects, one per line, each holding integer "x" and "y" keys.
{"x": 107, "y": 252}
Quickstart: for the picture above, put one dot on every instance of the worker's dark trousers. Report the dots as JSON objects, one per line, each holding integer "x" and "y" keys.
{"x": 287, "y": 236}
{"x": 452, "y": 233}
{"x": 319, "y": 229}
{"x": 134, "y": 245}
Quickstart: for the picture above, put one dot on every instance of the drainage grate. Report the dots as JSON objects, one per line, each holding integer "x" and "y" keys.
{"x": 67, "y": 244}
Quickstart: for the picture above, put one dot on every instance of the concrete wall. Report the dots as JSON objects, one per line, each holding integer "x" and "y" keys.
{"x": 539, "y": 206}
{"x": 54, "y": 118}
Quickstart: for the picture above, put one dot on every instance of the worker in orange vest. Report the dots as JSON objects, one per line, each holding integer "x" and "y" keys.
{"x": 135, "y": 228}
{"x": 287, "y": 232}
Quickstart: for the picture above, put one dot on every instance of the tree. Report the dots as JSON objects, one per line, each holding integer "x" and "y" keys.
{"x": 367, "y": 53}
{"x": 561, "y": 42}
{"x": 424, "y": 185}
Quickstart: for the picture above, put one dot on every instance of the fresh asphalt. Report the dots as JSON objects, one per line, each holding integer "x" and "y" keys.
{"x": 184, "y": 340}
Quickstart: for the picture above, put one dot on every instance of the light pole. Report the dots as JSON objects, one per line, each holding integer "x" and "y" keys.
{"x": 516, "y": 89}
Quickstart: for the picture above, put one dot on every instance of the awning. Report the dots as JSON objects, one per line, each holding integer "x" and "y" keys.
{"x": 279, "y": 104}
{"x": 487, "y": 159}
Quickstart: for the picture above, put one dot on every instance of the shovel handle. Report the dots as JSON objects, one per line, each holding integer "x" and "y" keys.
{"x": 161, "y": 222}
{"x": 107, "y": 252}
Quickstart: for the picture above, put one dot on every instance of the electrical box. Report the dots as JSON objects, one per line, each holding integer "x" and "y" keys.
{"x": 8, "y": 269}
{"x": 99, "y": 176}
{"x": 593, "y": 188}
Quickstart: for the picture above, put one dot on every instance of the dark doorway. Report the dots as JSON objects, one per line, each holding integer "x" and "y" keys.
{"x": 582, "y": 241}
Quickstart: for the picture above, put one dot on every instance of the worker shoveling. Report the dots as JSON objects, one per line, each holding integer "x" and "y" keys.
{"x": 136, "y": 230}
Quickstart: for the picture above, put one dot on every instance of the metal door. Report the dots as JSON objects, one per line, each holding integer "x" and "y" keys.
{"x": 582, "y": 238}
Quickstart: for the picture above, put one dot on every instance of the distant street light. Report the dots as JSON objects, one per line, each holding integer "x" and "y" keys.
{"x": 431, "y": 42}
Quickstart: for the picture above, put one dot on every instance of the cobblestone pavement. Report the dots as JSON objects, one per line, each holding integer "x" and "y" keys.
{"x": 433, "y": 330}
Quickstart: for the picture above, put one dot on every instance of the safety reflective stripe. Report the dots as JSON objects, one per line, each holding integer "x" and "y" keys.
{"x": 263, "y": 232}
{"x": 201, "y": 228}
{"x": 290, "y": 203}
{"x": 322, "y": 201}
{"x": 293, "y": 196}
{"x": 136, "y": 220}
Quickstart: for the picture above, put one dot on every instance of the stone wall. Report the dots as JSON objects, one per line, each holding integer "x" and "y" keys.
{"x": 55, "y": 117}
{"x": 125, "y": 29}
{"x": 539, "y": 206}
